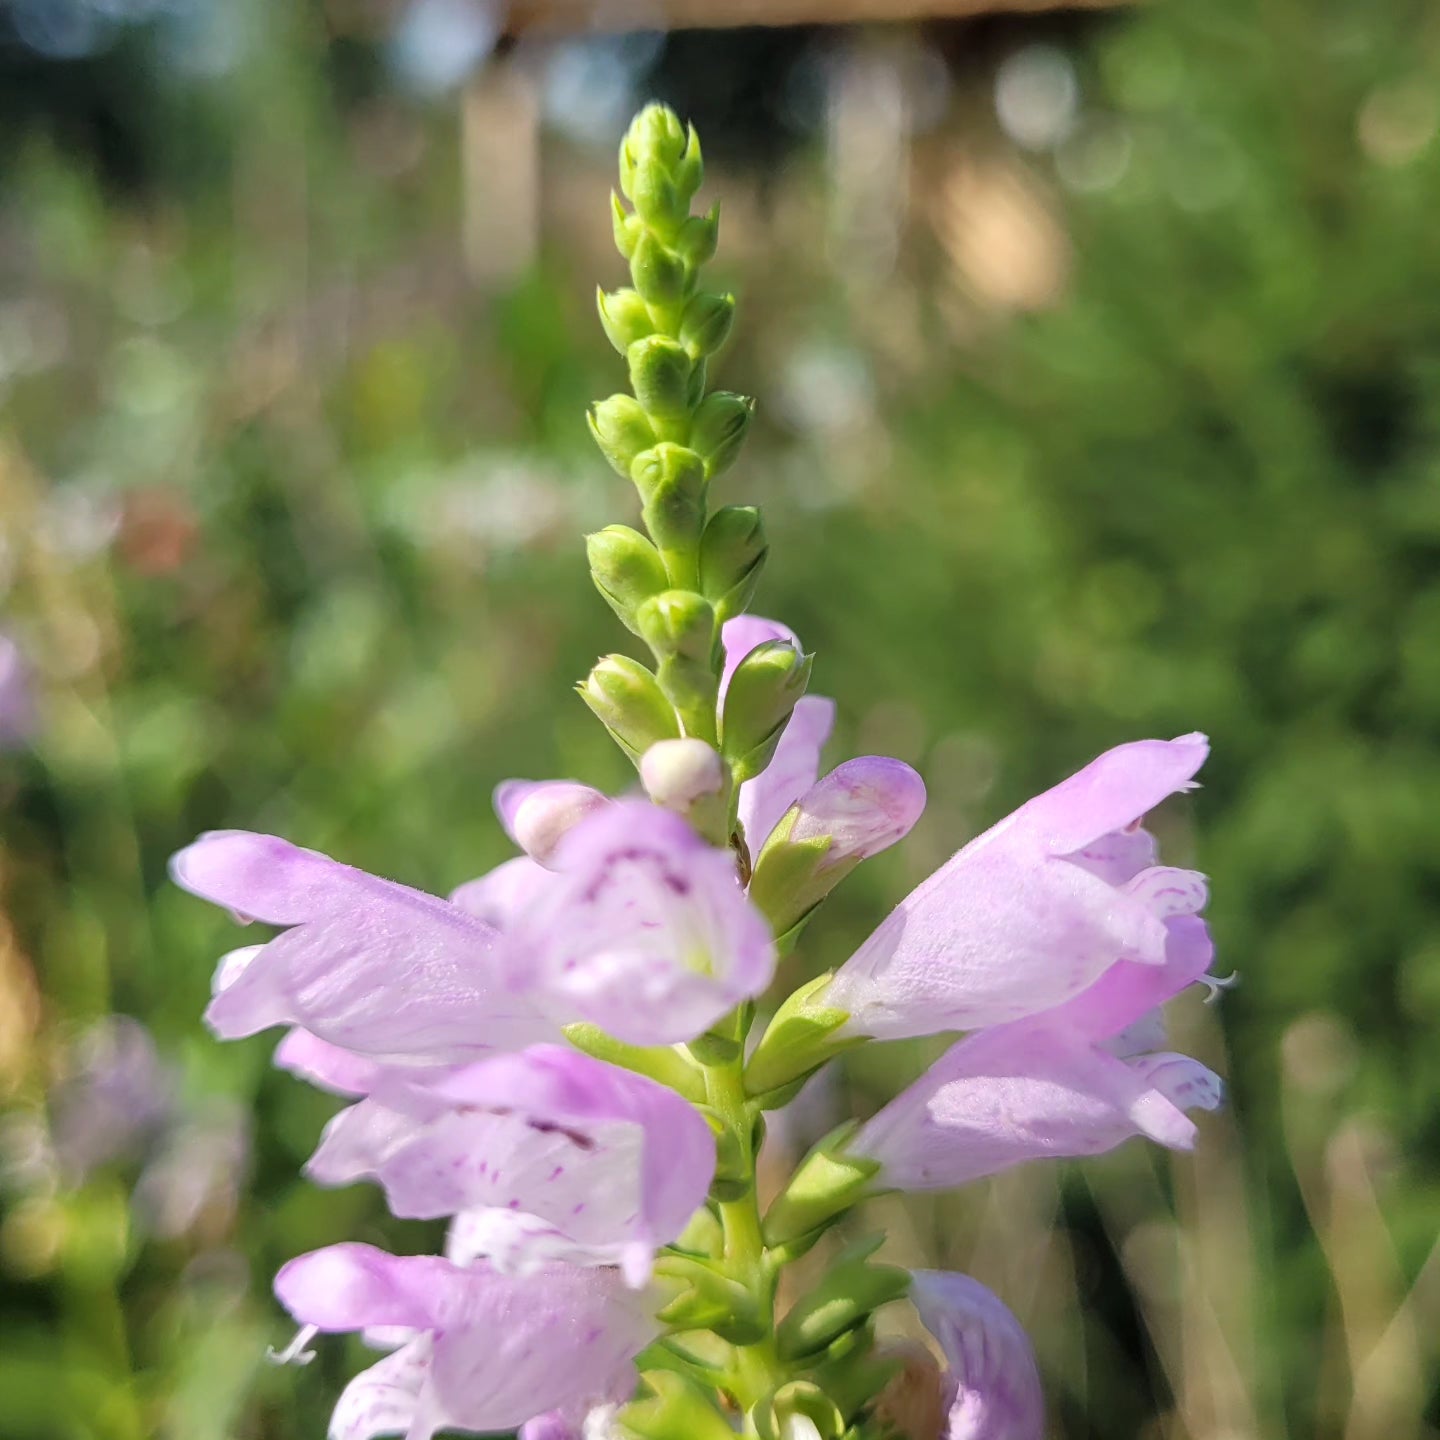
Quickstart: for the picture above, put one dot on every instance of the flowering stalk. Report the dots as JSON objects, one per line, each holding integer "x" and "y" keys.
{"x": 559, "y": 1060}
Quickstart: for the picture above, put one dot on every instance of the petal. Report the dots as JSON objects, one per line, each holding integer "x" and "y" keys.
{"x": 537, "y": 813}
{"x": 992, "y": 1364}
{"x": 384, "y": 1399}
{"x": 1014, "y": 1094}
{"x": 498, "y": 896}
{"x": 327, "y": 1066}
{"x": 791, "y": 772}
{"x": 352, "y": 1287}
{"x": 1127, "y": 992}
{"x": 645, "y": 932}
{"x": 562, "y": 1338}
{"x": 742, "y": 635}
{"x": 580, "y": 1159}
{"x": 369, "y": 965}
{"x": 863, "y": 807}
{"x": 1112, "y": 792}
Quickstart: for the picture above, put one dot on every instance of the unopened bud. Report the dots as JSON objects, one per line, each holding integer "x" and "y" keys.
{"x": 679, "y": 623}
{"x": 762, "y": 692}
{"x": 828, "y": 1183}
{"x": 660, "y": 370}
{"x": 656, "y": 134}
{"x": 850, "y": 1291}
{"x": 625, "y": 317}
{"x": 705, "y": 325}
{"x": 658, "y": 272}
{"x": 698, "y": 238}
{"x": 718, "y": 430}
{"x": 628, "y": 228}
{"x": 621, "y": 429}
{"x": 671, "y": 482}
{"x": 732, "y": 552}
{"x": 537, "y": 814}
{"x": 627, "y": 570}
{"x": 798, "y": 1410}
{"x": 628, "y": 700}
{"x": 859, "y": 809}
{"x": 677, "y": 773}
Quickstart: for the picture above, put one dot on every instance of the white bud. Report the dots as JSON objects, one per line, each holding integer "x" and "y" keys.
{"x": 677, "y": 773}
{"x": 537, "y": 814}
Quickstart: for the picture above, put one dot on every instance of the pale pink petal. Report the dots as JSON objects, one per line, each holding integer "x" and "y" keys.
{"x": 791, "y": 772}
{"x": 367, "y": 965}
{"x": 537, "y": 813}
{"x": 327, "y": 1066}
{"x": 645, "y": 933}
{"x": 993, "y": 1379}
{"x": 862, "y": 807}
{"x": 500, "y": 895}
{"x": 1013, "y": 1094}
{"x": 383, "y": 1400}
{"x": 745, "y": 633}
{"x": 353, "y": 1287}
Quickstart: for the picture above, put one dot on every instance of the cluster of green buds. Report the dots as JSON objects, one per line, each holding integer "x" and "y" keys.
{"x": 696, "y": 566}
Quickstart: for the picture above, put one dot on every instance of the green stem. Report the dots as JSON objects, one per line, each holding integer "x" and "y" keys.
{"x": 756, "y": 1369}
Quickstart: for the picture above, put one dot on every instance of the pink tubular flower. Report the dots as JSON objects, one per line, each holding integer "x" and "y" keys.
{"x": 549, "y": 1154}
{"x": 1048, "y": 1087}
{"x": 645, "y": 931}
{"x": 537, "y": 813}
{"x": 1033, "y": 911}
{"x": 487, "y": 1351}
{"x": 365, "y": 964}
{"x": 862, "y": 807}
{"x": 992, "y": 1386}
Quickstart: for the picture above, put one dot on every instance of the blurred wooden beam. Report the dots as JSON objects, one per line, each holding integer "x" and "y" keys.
{"x": 592, "y": 15}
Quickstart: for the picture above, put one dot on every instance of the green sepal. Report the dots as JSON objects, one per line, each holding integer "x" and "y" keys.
{"x": 708, "y": 1299}
{"x": 705, "y": 326}
{"x": 660, "y": 370}
{"x": 622, "y": 430}
{"x": 659, "y": 274}
{"x": 699, "y": 1353}
{"x": 789, "y": 878}
{"x": 670, "y": 1406}
{"x": 732, "y": 554}
{"x": 734, "y": 1156}
{"x": 848, "y": 1294}
{"x": 703, "y": 1236}
{"x": 853, "y": 1375}
{"x": 689, "y": 170}
{"x": 624, "y": 316}
{"x": 628, "y": 701}
{"x": 627, "y": 570}
{"x": 762, "y": 693}
{"x": 718, "y": 430}
{"x": 661, "y": 1062}
{"x": 828, "y": 1183}
{"x": 772, "y": 1416}
{"x": 628, "y": 228}
{"x": 698, "y": 237}
{"x": 801, "y": 1036}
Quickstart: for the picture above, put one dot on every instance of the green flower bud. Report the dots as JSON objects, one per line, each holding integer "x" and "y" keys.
{"x": 625, "y": 316}
{"x": 708, "y": 1299}
{"x": 734, "y": 1163}
{"x": 660, "y": 372}
{"x": 732, "y": 552}
{"x": 679, "y": 623}
{"x": 627, "y": 570}
{"x": 660, "y": 275}
{"x": 705, "y": 325}
{"x": 656, "y": 133}
{"x": 848, "y": 1294}
{"x": 658, "y": 200}
{"x": 762, "y": 693}
{"x": 801, "y": 1036}
{"x": 698, "y": 238}
{"x": 828, "y": 1183}
{"x": 629, "y": 702}
{"x": 628, "y": 228}
{"x": 775, "y": 1417}
{"x": 671, "y": 482}
{"x": 689, "y": 170}
{"x": 621, "y": 429}
{"x": 670, "y": 1406}
{"x": 718, "y": 429}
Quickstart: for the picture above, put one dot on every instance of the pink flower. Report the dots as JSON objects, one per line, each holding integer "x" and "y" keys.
{"x": 992, "y": 1385}
{"x": 861, "y": 807}
{"x": 485, "y": 1351}
{"x": 645, "y": 931}
{"x": 1049, "y": 1087}
{"x": 364, "y": 964}
{"x": 537, "y": 813}
{"x": 1034, "y": 910}
{"x": 549, "y": 1154}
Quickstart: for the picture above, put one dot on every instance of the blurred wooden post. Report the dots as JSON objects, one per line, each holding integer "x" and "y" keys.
{"x": 500, "y": 163}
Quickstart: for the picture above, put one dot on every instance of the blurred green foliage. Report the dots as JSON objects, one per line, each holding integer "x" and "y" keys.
{"x": 292, "y": 509}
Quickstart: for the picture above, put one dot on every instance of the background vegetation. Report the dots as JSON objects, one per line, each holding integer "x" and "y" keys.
{"x": 1099, "y": 368}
